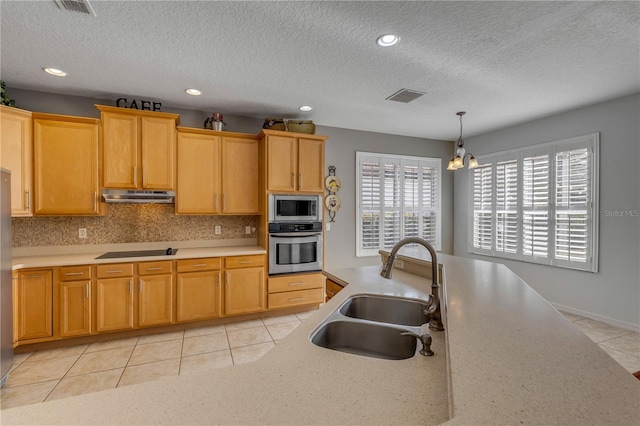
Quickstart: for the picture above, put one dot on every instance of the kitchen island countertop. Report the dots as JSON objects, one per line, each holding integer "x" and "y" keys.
{"x": 509, "y": 358}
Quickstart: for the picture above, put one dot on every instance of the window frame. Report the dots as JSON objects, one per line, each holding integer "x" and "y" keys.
{"x": 589, "y": 141}
{"x": 399, "y": 159}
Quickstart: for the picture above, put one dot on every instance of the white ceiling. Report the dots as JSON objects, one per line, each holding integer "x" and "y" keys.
{"x": 502, "y": 62}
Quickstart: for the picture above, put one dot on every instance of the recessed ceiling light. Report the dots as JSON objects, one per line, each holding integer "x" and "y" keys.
{"x": 54, "y": 71}
{"x": 387, "y": 40}
{"x": 194, "y": 92}
{"x": 306, "y": 108}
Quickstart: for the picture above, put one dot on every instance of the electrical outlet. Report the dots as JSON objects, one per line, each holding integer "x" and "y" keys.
{"x": 218, "y": 230}
{"x": 82, "y": 232}
{"x": 327, "y": 227}
{"x": 247, "y": 230}
{"x": 399, "y": 264}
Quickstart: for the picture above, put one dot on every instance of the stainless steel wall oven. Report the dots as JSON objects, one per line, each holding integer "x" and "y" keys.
{"x": 295, "y": 233}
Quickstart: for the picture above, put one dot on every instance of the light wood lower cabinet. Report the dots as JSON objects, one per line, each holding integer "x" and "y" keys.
{"x": 114, "y": 304}
{"x": 332, "y": 288}
{"x": 198, "y": 289}
{"x": 295, "y": 290}
{"x": 33, "y": 295}
{"x": 74, "y": 301}
{"x": 244, "y": 288}
{"x": 155, "y": 285}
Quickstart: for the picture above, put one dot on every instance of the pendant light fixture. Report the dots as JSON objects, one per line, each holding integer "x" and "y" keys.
{"x": 459, "y": 160}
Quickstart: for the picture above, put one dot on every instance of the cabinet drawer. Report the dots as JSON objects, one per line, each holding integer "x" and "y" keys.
{"x": 295, "y": 298}
{"x": 115, "y": 270}
{"x": 75, "y": 273}
{"x": 294, "y": 282}
{"x": 206, "y": 264}
{"x": 244, "y": 261}
{"x": 154, "y": 268}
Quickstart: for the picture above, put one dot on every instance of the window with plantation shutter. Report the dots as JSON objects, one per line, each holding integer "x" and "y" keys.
{"x": 399, "y": 197}
{"x": 538, "y": 204}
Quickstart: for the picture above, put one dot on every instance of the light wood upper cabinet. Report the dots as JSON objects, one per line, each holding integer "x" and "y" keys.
{"x": 33, "y": 300}
{"x": 199, "y": 173}
{"x": 66, "y": 155}
{"x": 16, "y": 155}
{"x": 240, "y": 172}
{"x": 139, "y": 148}
{"x": 295, "y": 162}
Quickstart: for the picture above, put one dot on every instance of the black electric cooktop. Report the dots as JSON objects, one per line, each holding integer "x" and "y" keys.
{"x": 137, "y": 253}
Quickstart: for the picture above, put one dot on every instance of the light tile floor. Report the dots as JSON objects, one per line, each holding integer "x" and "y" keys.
{"x": 59, "y": 373}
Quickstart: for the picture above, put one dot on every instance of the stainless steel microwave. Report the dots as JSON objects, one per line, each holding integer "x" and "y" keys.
{"x": 295, "y": 208}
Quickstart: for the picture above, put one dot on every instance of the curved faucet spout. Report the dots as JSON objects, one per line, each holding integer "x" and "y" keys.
{"x": 433, "y": 310}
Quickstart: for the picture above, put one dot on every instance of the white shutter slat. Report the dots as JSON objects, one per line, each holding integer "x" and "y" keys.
{"x": 482, "y": 208}
{"x": 535, "y": 206}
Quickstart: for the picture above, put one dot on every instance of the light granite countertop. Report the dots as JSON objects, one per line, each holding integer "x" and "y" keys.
{"x": 82, "y": 255}
{"x": 509, "y": 358}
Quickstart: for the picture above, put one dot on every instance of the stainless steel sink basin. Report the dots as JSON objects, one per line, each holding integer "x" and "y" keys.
{"x": 390, "y": 310}
{"x": 361, "y": 338}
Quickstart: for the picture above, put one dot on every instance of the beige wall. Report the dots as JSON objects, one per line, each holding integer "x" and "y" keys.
{"x": 127, "y": 223}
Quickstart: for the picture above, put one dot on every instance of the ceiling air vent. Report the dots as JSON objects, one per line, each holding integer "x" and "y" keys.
{"x": 405, "y": 96}
{"x": 81, "y": 6}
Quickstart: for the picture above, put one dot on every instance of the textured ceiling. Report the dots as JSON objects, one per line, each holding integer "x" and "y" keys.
{"x": 502, "y": 62}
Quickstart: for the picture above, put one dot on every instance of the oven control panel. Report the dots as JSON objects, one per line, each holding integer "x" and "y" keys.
{"x": 294, "y": 227}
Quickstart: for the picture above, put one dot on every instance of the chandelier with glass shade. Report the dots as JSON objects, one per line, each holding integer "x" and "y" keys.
{"x": 461, "y": 158}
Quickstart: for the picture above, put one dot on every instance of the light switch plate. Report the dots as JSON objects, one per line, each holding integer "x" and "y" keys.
{"x": 247, "y": 229}
{"x": 82, "y": 232}
{"x": 218, "y": 230}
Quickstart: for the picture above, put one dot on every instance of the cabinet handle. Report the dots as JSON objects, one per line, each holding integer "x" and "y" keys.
{"x": 332, "y": 293}
{"x": 34, "y": 276}
{"x": 199, "y": 265}
{"x": 299, "y": 283}
{"x": 218, "y": 279}
{"x": 296, "y": 299}
{"x": 141, "y": 283}
{"x": 69, "y": 274}
{"x": 216, "y": 195}
{"x": 226, "y": 278}
{"x": 143, "y": 175}
{"x": 135, "y": 175}
{"x": 293, "y": 180}
{"x": 95, "y": 201}
{"x": 28, "y": 199}
{"x": 86, "y": 290}
{"x": 224, "y": 204}
{"x": 131, "y": 286}
{"x": 300, "y": 181}
{"x": 154, "y": 269}
{"x": 243, "y": 262}
{"x": 113, "y": 271}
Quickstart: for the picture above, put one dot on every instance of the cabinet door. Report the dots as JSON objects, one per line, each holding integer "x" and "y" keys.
{"x": 16, "y": 155}
{"x": 114, "y": 304}
{"x": 239, "y": 175}
{"x": 34, "y": 303}
{"x": 198, "y": 174}
{"x": 198, "y": 295}
{"x": 281, "y": 163}
{"x": 158, "y": 138}
{"x": 244, "y": 291}
{"x": 75, "y": 308}
{"x": 310, "y": 165}
{"x": 120, "y": 152}
{"x": 66, "y": 167}
{"x": 156, "y": 300}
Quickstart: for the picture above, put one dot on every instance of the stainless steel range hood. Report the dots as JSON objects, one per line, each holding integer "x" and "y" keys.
{"x": 132, "y": 196}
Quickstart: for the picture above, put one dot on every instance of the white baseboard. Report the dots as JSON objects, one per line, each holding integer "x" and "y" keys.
{"x": 596, "y": 317}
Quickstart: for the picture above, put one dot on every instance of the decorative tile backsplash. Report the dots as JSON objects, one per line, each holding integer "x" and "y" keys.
{"x": 127, "y": 223}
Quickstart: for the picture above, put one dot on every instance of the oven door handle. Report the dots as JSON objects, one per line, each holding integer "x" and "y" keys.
{"x": 295, "y": 234}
